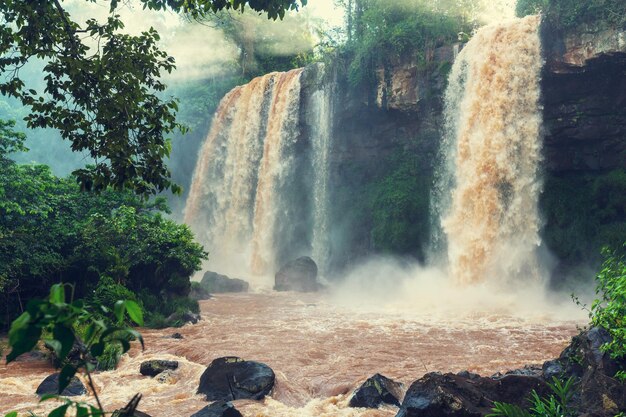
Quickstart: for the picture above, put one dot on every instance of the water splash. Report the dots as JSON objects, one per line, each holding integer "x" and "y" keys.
{"x": 493, "y": 148}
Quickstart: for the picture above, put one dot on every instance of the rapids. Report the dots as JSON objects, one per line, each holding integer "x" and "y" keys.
{"x": 319, "y": 348}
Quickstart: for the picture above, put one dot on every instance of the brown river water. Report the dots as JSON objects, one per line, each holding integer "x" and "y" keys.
{"x": 319, "y": 348}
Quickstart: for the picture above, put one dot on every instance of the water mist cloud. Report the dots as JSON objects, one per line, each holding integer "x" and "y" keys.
{"x": 396, "y": 286}
{"x": 200, "y": 51}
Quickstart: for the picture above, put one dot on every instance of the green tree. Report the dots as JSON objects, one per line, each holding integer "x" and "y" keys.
{"x": 50, "y": 231}
{"x": 101, "y": 85}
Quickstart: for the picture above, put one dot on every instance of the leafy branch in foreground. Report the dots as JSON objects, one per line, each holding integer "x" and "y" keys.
{"x": 56, "y": 322}
{"x": 556, "y": 405}
{"x": 609, "y": 310}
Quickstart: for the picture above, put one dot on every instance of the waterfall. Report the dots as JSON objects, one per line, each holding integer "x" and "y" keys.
{"x": 492, "y": 151}
{"x": 275, "y": 169}
{"x": 238, "y": 198}
{"x": 321, "y": 110}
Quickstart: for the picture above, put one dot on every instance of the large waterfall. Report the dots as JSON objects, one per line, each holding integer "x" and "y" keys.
{"x": 258, "y": 195}
{"x": 492, "y": 154}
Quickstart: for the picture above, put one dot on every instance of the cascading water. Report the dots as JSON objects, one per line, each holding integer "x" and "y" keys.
{"x": 275, "y": 169}
{"x": 321, "y": 105}
{"x": 492, "y": 153}
{"x": 259, "y": 191}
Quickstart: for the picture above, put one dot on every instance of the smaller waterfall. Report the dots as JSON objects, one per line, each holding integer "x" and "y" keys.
{"x": 321, "y": 111}
{"x": 276, "y": 168}
{"x": 492, "y": 153}
{"x": 260, "y": 189}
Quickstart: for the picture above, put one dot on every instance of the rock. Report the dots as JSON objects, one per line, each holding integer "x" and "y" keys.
{"x": 218, "y": 409}
{"x": 528, "y": 370}
{"x": 176, "y": 336}
{"x": 156, "y": 366}
{"x": 216, "y": 283}
{"x": 182, "y": 318}
{"x": 467, "y": 374}
{"x": 136, "y": 413}
{"x": 297, "y": 275}
{"x": 50, "y": 385}
{"x": 231, "y": 378}
{"x": 552, "y": 369}
{"x": 377, "y": 390}
{"x": 198, "y": 292}
{"x": 601, "y": 395}
{"x": 437, "y": 395}
{"x": 166, "y": 377}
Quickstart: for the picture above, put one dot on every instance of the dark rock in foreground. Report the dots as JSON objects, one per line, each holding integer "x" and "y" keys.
{"x": 156, "y": 366}
{"x": 218, "y": 409}
{"x": 600, "y": 394}
{"x": 216, "y": 283}
{"x": 437, "y": 395}
{"x": 231, "y": 378}
{"x": 375, "y": 391}
{"x": 297, "y": 275}
{"x": 176, "y": 336}
{"x": 50, "y": 385}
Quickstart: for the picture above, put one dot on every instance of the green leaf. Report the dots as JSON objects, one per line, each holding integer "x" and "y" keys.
{"x": 57, "y": 294}
{"x": 134, "y": 312}
{"x": 97, "y": 349}
{"x": 81, "y": 411}
{"x": 11, "y": 414}
{"x": 60, "y": 411}
{"x": 66, "y": 337}
{"x": 65, "y": 377}
{"x": 118, "y": 310}
{"x": 24, "y": 341}
{"x": 47, "y": 397}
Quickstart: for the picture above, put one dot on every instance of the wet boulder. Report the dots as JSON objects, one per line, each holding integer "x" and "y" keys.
{"x": 297, "y": 275}
{"x": 600, "y": 394}
{"x": 377, "y": 390}
{"x": 198, "y": 292}
{"x": 178, "y": 319}
{"x": 218, "y": 409}
{"x": 50, "y": 385}
{"x": 213, "y": 282}
{"x": 232, "y": 378}
{"x": 437, "y": 395}
{"x": 156, "y": 366}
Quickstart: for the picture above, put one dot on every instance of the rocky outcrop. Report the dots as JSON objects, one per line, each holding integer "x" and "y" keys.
{"x": 600, "y": 394}
{"x": 437, "y": 395}
{"x": 156, "y": 366}
{"x": 216, "y": 283}
{"x": 231, "y": 378}
{"x": 50, "y": 385}
{"x": 218, "y": 409}
{"x": 180, "y": 318}
{"x": 297, "y": 275}
{"x": 377, "y": 390}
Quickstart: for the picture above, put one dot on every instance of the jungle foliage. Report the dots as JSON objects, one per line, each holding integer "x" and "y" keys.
{"x": 583, "y": 213}
{"x": 380, "y": 31}
{"x": 65, "y": 324}
{"x": 398, "y": 202}
{"x": 101, "y": 85}
{"x": 571, "y": 13}
{"x": 110, "y": 245}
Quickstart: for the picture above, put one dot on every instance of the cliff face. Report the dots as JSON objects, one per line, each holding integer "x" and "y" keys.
{"x": 584, "y": 98}
{"x": 584, "y": 93}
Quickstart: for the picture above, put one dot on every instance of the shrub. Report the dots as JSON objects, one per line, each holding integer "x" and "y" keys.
{"x": 609, "y": 309}
{"x": 569, "y": 14}
{"x": 556, "y": 405}
{"x": 108, "y": 292}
